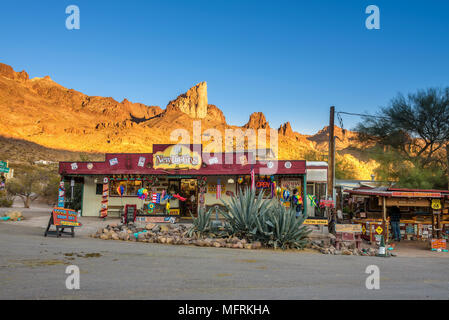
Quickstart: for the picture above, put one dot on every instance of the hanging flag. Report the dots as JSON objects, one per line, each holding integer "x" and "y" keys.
{"x": 253, "y": 179}
{"x": 218, "y": 189}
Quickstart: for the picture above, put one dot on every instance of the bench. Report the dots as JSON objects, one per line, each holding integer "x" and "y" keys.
{"x": 115, "y": 211}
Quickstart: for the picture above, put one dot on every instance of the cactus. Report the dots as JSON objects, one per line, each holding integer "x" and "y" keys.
{"x": 264, "y": 220}
{"x": 243, "y": 212}
{"x": 201, "y": 224}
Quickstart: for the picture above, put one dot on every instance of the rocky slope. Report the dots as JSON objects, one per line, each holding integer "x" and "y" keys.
{"x": 44, "y": 120}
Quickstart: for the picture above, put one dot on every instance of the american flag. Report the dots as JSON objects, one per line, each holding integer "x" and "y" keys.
{"x": 218, "y": 189}
{"x": 253, "y": 180}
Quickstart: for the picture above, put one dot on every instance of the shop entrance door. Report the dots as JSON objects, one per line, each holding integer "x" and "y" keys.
{"x": 189, "y": 190}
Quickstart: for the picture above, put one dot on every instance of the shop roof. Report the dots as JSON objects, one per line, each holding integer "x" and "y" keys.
{"x": 399, "y": 192}
{"x": 214, "y": 164}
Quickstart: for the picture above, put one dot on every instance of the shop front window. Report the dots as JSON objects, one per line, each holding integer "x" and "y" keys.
{"x": 130, "y": 187}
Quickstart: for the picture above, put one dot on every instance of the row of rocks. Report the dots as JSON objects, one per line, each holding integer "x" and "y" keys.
{"x": 169, "y": 234}
{"x": 345, "y": 249}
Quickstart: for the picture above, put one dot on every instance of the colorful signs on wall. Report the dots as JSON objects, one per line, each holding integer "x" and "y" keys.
{"x": 65, "y": 217}
{"x": 61, "y": 194}
{"x": 417, "y": 194}
{"x": 156, "y": 219}
{"x": 177, "y": 157}
{"x": 105, "y": 198}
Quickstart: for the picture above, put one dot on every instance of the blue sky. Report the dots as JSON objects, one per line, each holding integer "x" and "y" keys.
{"x": 289, "y": 59}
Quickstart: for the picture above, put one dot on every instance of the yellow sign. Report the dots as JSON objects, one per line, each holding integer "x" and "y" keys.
{"x": 177, "y": 157}
{"x": 379, "y": 230}
{"x": 316, "y": 221}
{"x": 363, "y": 229}
{"x": 436, "y": 204}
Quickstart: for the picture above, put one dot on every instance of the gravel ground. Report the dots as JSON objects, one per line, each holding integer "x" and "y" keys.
{"x": 33, "y": 267}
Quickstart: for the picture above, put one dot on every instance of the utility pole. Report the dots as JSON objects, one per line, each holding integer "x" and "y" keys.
{"x": 331, "y": 158}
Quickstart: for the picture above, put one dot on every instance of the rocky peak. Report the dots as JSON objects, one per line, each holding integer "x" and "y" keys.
{"x": 8, "y": 72}
{"x": 286, "y": 129}
{"x": 257, "y": 121}
{"x": 192, "y": 103}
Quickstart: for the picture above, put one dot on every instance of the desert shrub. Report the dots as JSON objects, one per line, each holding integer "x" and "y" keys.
{"x": 267, "y": 221}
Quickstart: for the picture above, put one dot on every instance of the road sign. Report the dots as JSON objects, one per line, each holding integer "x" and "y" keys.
{"x": 5, "y": 170}
{"x": 379, "y": 230}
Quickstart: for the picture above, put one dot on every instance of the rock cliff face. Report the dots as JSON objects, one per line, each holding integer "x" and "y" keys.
{"x": 257, "y": 121}
{"x": 192, "y": 103}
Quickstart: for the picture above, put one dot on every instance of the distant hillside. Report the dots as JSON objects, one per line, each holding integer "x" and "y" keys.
{"x": 44, "y": 120}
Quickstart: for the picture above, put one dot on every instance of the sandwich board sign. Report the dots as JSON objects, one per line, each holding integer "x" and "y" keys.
{"x": 63, "y": 218}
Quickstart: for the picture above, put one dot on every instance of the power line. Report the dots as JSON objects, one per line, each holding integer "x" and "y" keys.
{"x": 361, "y": 115}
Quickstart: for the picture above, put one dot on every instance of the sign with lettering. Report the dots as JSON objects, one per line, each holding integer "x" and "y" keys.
{"x": 65, "y": 217}
{"x": 177, "y": 157}
{"x": 323, "y": 222}
{"x": 417, "y": 194}
{"x": 156, "y": 219}
{"x": 353, "y": 228}
{"x": 262, "y": 184}
{"x": 290, "y": 183}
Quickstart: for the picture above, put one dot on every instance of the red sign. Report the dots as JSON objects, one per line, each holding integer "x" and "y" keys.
{"x": 262, "y": 184}
{"x": 327, "y": 203}
{"x": 65, "y": 217}
{"x": 416, "y": 194}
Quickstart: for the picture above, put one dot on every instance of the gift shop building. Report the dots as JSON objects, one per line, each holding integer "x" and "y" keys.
{"x": 175, "y": 180}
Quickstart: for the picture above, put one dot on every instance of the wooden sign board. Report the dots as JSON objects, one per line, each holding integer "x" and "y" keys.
{"x": 323, "y": 222}
{"x": 352, "y": 228}
{"x": 405, "y": 202}
{"x": 130, "y": 213}
{"x": 63, "y": 218}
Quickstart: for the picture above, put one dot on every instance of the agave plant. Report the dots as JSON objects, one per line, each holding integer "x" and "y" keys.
{"x": 201, "y": 224}
{"x": 243, "y": 212}
{"x": 280, "y": 228}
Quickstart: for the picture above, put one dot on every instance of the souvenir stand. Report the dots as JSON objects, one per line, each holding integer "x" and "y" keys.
{"x": 424, "y": 213}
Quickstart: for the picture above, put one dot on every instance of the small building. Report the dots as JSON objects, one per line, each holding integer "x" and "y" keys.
{"x": 182, "y": 176}
{"x": 424, "y": 213}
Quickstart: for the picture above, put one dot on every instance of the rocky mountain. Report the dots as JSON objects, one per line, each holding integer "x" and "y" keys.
{"x": 44, "y": 120}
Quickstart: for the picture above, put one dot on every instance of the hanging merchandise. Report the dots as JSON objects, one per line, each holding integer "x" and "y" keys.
{"x": 150, "y": 207}
{"x": 273, "y": 188}
{"x": 142, "y": 193}
{"x": 312, "y": 200}
{"x": 278, "y": 191}
{"x": 120, "y": 190}
{"x": 218, "y": 195}
{"x": 167, "y": 207}
{"x": 163, "y": 195}
{"x": 177, "y": 196}
{"x": 240, "y": 180}
{"x": 286, "y": 195}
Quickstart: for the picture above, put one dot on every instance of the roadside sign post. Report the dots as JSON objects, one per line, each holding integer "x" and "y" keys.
{"x": 63, "y": 218}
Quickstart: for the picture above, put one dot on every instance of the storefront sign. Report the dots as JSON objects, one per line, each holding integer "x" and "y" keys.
{"x": 290, "y": 183}
{"x": 177, "y": 157}
{"x": 65, "y": 217}
{"x": 261, "y": 184}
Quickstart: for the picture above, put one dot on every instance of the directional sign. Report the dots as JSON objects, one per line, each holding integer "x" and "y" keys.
{"x": 3, "y": 164}
{"x": 6, "y": 170}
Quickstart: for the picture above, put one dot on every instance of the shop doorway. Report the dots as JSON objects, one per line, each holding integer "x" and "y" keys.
{"x": 189, "y": 190}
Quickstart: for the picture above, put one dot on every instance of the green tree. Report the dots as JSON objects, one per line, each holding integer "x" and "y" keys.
{"x": 411, "y": 138}
{"x": 31, "y": 182}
